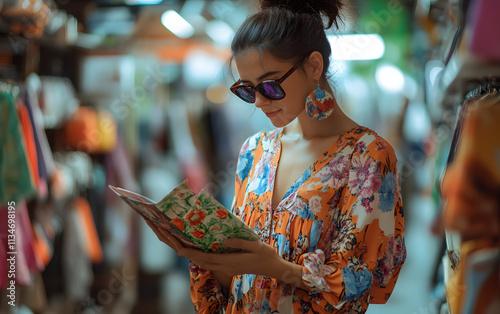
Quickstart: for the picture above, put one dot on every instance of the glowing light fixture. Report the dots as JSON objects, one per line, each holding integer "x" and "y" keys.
{"x": 142, "y": 2}
{"x": 220, "y": 32}
{"x": 176, "y": 24}
{"x": 357, "y": 46}
{"x": 390, "y": 78}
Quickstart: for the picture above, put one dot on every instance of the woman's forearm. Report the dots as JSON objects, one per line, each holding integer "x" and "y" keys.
{"x": 224, "y": 281}
{"x": 287, "y": 272}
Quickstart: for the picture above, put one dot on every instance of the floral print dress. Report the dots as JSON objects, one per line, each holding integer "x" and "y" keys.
{"x": 342, "y": 220}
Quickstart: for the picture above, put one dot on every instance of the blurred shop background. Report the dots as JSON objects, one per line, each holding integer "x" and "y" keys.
{"x": 134, "y": 93}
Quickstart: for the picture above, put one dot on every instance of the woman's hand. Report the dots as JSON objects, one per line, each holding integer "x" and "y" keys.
{"x": 165, "y": 236}
{"x": 257, "y": 258}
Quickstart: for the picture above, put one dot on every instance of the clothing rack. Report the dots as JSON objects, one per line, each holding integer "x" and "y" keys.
{"x": 486, "y": 88}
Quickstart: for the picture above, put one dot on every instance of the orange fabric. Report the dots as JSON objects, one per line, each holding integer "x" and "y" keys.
{"x": 82, "y": 130}
{"x": 471, "y": 183}
{"x": 92, "y": 244}
{"x": 29, "y": 141}
{"x": 42, "y": 249}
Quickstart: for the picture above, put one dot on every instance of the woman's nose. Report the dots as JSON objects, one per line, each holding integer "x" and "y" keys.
{"x": 261, "y": 101}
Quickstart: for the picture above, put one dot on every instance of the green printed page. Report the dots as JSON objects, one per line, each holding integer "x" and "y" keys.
{"x": 203, "y": 219}
{"x": 180, "y": 200}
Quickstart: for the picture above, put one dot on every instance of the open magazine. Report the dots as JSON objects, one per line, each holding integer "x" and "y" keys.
{"x": 196, "y": 220}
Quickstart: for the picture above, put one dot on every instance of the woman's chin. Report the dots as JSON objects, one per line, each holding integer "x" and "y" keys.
{"x": 281, "y": 122}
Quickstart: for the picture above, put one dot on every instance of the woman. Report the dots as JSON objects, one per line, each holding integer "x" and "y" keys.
{"x": 321, "y": 191}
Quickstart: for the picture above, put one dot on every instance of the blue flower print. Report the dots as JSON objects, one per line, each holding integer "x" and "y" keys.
{"x": 386, "y": 192}
{"x": 265, "y": 307}
{"x": 239, "y": 290}
{"x": 251, "y": 279}
{"x": 263, "y": 181}
{"x": 316, "y": 231}
{"x": 356, "y": 282}
{"x": 304, "y": 212}
{"x": 283, "y": 244}
{"x": 245, "y": 165}
{"x": 319, "y": 93}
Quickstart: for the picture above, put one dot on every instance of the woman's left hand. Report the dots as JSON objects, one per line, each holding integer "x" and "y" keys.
{"x": 257, "y": 258}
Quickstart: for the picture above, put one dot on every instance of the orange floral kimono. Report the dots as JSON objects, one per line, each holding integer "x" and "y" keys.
{"x": 342, "y": 220}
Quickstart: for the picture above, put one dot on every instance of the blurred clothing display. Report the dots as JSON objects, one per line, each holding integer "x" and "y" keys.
{"x": 471, "y": 188}
{"x": 27, "y": 262}
{"x": 485, "y": 28}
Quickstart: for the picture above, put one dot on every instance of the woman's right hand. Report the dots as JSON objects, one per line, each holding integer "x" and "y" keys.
{"x": 164, "y": 236}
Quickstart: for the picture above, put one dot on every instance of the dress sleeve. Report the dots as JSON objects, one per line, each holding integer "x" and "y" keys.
{"x": 363, "y": 250}
{"x": 206, "y": 292}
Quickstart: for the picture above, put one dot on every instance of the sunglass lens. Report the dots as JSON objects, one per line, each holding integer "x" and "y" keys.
{"x": 272, "y": 90}
{"x": 245, "y": 93}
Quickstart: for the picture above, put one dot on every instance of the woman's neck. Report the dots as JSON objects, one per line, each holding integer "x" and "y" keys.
{"x": 307, "y": 128}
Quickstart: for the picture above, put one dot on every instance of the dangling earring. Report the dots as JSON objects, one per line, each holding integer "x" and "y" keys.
{"x": 319, "y": 103}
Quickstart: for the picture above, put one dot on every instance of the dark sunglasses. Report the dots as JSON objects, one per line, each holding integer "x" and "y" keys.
{"x": 270, "y": 89}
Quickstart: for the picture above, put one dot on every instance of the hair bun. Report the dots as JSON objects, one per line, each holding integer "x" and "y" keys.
{"x": 328, "y": 8}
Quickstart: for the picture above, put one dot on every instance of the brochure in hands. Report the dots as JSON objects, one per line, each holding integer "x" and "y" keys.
{"x": 196, "y": 220}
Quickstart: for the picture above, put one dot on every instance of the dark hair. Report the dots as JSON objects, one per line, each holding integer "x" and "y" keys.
{"x": 289, "y": 29}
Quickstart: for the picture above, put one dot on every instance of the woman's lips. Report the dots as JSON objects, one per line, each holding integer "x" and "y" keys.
{"x": 272, "y": 113}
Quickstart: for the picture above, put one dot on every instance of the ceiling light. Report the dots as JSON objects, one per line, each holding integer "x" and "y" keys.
{"x": 390, "y": 78}
{"x": 220, "y": 32}
{"x": 357, "y": 46}
{"x": 142, "y": 2}
{"x": 176, "y": 24}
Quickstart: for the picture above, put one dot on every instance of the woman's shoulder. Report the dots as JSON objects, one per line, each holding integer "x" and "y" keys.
{"x": 365, "y": 141}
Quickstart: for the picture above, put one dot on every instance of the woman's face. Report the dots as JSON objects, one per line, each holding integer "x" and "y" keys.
{"x": 254, "y": 68}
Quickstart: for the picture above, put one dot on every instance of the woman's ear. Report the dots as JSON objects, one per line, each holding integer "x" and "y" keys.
{"x": 314, "y": 66}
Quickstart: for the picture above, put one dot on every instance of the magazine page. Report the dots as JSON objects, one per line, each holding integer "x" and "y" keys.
{"x": 148, "y": 210}
{"x": 197, "y": 220}
{"x": 203, "y": 219}
{"x": 180, "y": 200}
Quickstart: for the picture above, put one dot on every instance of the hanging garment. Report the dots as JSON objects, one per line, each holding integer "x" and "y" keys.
{"x": 33, "y": 88}
{"x": 25, "y": 261}
{"x": 15, "y": 179}
{"x": 89, "y": 236}
{"x": 485, "y": 28}
{"x": 76, "y": 265}
{"x": 42, "y": 245}
{"x": 27, "y": 243}
{"x": 470, "y": 184}
{"x": 43, "y": 153}
{"x": 29, "y": 142}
